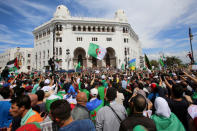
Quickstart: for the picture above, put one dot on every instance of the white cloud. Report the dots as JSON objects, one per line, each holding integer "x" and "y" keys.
{"x": 5, "y": 11}
{"x": 148, "y": 17}
{"x": 32, "y": 12}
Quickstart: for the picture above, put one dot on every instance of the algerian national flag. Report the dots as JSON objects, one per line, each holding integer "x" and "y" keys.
{"x": 161, "y": 62}
{"x": 96, "y": 51}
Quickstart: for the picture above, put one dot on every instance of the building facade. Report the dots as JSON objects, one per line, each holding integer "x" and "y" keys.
{"x": 67, "y": 39}
{"x": 24, "y": 56}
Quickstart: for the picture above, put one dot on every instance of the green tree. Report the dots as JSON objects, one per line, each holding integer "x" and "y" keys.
{"x": 172, "y": 61}
{"x": 154, "y": 63}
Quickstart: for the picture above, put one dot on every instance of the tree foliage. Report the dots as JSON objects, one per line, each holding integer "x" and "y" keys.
{"x": 154, "y": 63}
{"x": 172, "y": 61}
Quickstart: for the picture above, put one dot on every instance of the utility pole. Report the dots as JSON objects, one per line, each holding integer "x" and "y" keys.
{"x": 190, "y": 38}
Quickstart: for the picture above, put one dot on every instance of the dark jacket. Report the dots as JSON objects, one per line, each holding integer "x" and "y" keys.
{"x": 137, "y": 119}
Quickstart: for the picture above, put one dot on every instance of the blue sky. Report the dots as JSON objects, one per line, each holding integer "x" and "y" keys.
{"x": 162, "y": 25}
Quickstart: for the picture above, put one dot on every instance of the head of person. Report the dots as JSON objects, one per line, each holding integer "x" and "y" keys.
{"x": 40, "y": 94}
{"x": 34, "y": 99}
{"x": 60, "y": 111}
{"x": 162, "y": 107}
{"x": 6, "y": 92}
{"x": 81, "y": 98}
{"x": 177, "y": 90}
{"x": 19, "y": 105}
{"x": 138, "y": 103}
{"x": 94, "y": 92}
{"x": 111, "y": 94}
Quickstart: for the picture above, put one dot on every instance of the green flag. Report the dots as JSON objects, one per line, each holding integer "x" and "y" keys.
{"x": 78, "y": 65}
{"x": 161, "y": 62}
{"x": 122, "y": 67}
{"x": 147, "y": 63}
{"x": 96, "y": 51}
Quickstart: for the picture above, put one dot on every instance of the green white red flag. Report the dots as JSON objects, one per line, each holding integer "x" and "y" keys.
{"x": 96, "y": 51}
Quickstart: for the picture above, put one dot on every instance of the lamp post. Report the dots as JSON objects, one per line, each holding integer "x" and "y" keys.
{"x": 190, "y": 38}
{"x": 67, "y": 53}
{"x": 125, "y": 52}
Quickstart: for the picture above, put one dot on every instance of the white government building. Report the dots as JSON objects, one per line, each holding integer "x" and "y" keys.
{"x": 67, "y": 38}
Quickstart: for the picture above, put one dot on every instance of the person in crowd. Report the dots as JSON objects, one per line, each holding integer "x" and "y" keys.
{"x": 80, "y": 111}
{"x": 94, "y": 104}
{"x": 5, "y": 117}
{"x": 138, "y": 105}
{"x": 165, "y": 119}
{"x": 109, "y": 117}
{"x": 41, "y": 103}
{"x": 60, "y": 112}
{"x": 178, "y": 104}
{"x": 21, "y": 106}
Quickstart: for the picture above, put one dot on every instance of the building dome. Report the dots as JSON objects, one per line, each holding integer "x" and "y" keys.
{"x": 121, "y": 16}
{"x": 61, "y": 12}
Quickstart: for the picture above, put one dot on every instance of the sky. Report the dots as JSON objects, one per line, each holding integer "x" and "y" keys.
{"x": 162, "y": 25}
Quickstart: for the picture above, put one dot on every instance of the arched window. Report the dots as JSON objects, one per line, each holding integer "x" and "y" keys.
{"x": 94, "y": 29}
{"x": 99, "y": 29}
{"x": 43, "y": 54}
{"x": 112, "y": 30}
{"x": 123, "y": 30}
{"x": 48, "y": 54}
{"x": 74, "y": 28}
{"x": 108, "y": 29}
{"x": 79, "y": 28}
{"x": 84, "y": 28}
{"x": 89, "y": 28}
{"x": 103, "y": 29}
{"x": 60, "y": 51}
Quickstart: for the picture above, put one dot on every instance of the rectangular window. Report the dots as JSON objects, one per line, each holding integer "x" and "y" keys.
{"x": 59, "y": 39}
{"x": 56, "y": 51}
{"x": 48, "y": 31}
{"x": 28, "y": 61}
{"x": 40, "y": 35}
{"x": 28, "y": 67}
{"x": 109, "y": 39}
{"x": 94, "y": 39}
{"x": 79, "y": 38}
{"x": 126, "y": 40}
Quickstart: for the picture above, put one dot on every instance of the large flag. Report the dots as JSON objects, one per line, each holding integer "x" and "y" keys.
{"x": 132, "y": 64}
{"x": 96, "y": 51}
{"x": 147, "y": 63}
{"x": 161, "y": 62}
{"x": 13, "y": 65}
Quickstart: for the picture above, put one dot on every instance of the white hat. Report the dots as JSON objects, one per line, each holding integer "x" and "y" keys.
{"x": 103, "y": 76}
{"x": 94, "y": 92}
{"x": 47, "y": 81}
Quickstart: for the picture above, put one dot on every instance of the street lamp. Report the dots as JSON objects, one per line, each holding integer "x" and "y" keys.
{"x": 125, "y": 52}
{"x": 67, "y": 53}
{"x": 190, "y": 38}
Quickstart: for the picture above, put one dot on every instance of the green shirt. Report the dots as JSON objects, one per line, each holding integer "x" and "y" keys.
{"x": 35, "y": 88}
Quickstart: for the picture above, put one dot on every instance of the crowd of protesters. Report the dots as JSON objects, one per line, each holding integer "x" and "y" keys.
{"x": 89, "y": 100}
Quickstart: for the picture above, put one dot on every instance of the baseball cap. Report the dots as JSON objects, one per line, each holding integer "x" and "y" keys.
{"x": 94, "y": 92}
